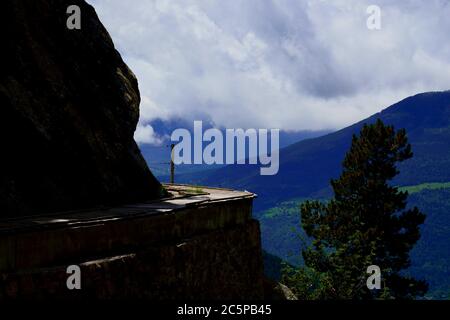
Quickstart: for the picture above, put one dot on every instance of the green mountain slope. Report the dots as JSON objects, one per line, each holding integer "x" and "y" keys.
{"x": 430, "y": 258}
{"x": 307, "y": 167}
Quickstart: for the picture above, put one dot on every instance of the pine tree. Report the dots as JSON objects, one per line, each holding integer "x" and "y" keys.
{"x": 364, "y": 224}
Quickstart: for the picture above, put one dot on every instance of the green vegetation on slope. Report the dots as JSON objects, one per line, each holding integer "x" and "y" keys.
{"x": 365, "y": 223}
{"x": 430, "y": 258}
{"x": 272, "y": 266}
{"x": 426, "y": 186}
{"x": 281, "y": 231}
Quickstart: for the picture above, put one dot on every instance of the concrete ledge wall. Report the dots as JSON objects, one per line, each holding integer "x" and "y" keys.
{"x": 220, "y": 265}
{"x": 205, "y": 250}
{"x": 101, "y": 237}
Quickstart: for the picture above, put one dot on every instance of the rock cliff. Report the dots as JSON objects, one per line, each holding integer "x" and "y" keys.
{"x": 68, "y": 110}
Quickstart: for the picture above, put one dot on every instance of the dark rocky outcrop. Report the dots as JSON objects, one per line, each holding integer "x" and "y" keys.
{"x": 68, "y": 110}
{"x": 276, "y": 291}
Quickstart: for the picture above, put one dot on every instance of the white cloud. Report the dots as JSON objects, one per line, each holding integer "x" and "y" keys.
{"x": 278, "y": 63}
{"x": 146, "y": 135}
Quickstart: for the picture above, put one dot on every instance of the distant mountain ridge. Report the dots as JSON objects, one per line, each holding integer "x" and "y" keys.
{"x": 306, "y": 167}
{"x": 158, "y": 156}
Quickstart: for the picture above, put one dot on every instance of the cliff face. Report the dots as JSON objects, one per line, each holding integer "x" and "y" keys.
{"x": 68, "y": 110}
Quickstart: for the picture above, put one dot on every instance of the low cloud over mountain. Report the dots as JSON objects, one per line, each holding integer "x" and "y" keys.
{"x": 293, "y": 65}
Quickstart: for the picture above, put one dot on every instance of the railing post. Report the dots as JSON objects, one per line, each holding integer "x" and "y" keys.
{"x": 172, "y": 165}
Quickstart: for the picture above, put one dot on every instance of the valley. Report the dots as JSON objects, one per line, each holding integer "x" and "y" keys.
{"x": 306, "y": 168}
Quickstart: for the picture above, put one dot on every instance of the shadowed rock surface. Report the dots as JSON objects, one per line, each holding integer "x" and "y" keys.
{"x": 68, "y": 111}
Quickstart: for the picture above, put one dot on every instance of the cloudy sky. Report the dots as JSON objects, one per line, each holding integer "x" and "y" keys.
{"x": 289, "y": 64}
